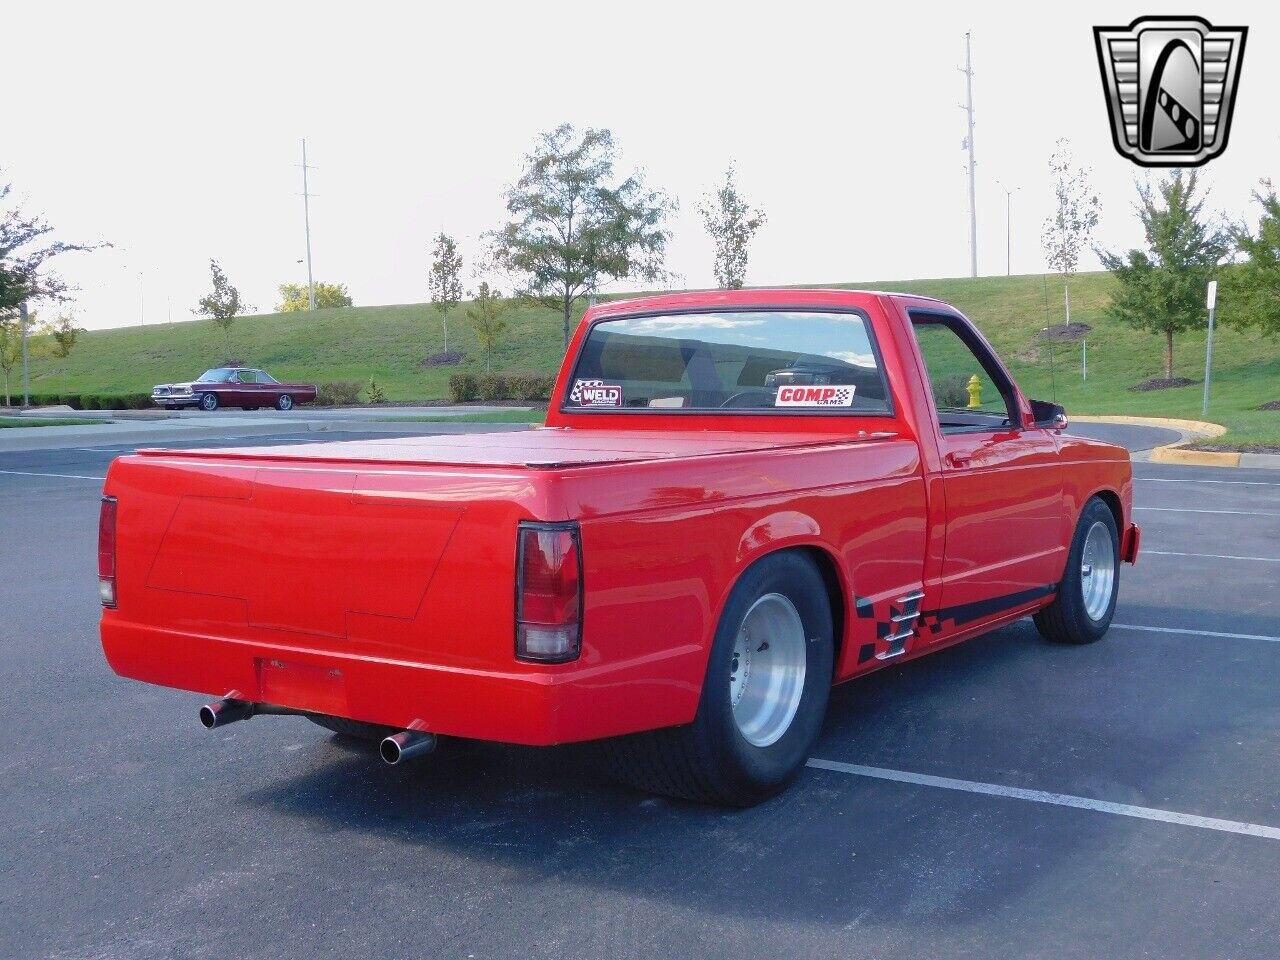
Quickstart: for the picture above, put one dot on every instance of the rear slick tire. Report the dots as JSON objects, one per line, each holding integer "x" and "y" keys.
{"x": 764, "y": 696}
{"x": 1086, "y": 601}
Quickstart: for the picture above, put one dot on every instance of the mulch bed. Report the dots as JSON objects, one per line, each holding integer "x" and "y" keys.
{"x": 1160, "y": 383}
{"x": 1273, "y": 405}
{"x": 1064, "y": 332}
{"x": 1235, "y": 448}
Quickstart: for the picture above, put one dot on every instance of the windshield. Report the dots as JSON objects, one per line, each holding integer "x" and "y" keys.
{"x": 784, "y": 361}
{"x": 218, "y": 375}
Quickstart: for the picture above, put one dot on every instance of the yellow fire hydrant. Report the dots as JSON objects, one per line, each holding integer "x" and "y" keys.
{"x": 975, "y": 392}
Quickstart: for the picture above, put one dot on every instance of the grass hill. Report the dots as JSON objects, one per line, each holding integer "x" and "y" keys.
{"x": 390, "y": 343}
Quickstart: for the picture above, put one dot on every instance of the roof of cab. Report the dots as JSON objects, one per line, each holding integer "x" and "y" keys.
{"x": 758, "y": 297}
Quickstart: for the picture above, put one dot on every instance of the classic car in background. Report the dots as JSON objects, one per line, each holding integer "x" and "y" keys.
{"x": 241, "y": 387}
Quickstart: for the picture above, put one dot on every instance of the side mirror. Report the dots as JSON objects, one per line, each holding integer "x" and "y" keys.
{"x": 1050, "y": 416}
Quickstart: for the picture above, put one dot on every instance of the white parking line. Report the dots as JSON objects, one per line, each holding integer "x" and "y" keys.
{"x": 1197, "y": 633}
{"x": 1243, "y": 513}
{"x": 64, "y": 476}
{"x": 1238, "y": 483}
{"x": 1208, "y": 556}
{"x": 1056, "y": 799}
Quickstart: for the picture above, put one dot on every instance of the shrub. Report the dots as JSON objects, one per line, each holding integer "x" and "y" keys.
{"x": 463, "y": 387}
{"x": 342, "y": 393}
{"x": 493, "y": 386}
{"x": 530, "y": 386}
{"x": 952, "y": 391}
{"x": 376, "y": 393}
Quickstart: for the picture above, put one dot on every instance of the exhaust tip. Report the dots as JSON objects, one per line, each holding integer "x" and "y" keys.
{"x": 222, "y": 712}
{"x": 406, "y": 745}
{"x": 208, "y": 719}
{"x": 390, "y": 751}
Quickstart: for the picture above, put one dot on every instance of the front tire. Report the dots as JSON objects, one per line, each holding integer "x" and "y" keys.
{"x": 1086, "y": 601}
{"x": 763, "y": 699}
{"x": 209, "y": 402}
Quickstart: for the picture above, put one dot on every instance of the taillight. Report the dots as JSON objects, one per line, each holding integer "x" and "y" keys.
{"x": 107, "y": 552}
{"x": 548, "y": 592}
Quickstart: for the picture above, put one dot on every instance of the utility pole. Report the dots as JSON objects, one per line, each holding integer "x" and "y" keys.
{"x": 26, "y": 372}
{"x": 973, "y": 163}
{"x": 306, "y": 214}
{"x": 142, "y": 299}
{"x": 1008, "y": 228}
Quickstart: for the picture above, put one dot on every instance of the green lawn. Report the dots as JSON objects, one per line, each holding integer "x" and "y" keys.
{"x": 45, "y": 422}
{"x": 389, "y": 344}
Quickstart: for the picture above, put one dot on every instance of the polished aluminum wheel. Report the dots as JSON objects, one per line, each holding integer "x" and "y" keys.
{"x": 1097, "y": 571}
{"x": 766, "y": 678}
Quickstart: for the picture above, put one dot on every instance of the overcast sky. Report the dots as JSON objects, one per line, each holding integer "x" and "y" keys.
{"x": 173, "y": 131}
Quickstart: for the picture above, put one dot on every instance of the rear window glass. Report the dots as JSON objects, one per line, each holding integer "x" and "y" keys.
{"x": 792, "y": 362}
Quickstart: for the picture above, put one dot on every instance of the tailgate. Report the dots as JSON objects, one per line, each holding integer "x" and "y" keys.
{"x": 406, "y": 564}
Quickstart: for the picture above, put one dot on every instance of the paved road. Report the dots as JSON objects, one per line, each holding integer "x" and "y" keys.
{"x": 1135, "y": 438}
{"x": 132, "y": 832}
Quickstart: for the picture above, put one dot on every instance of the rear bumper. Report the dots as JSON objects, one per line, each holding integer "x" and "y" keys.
{"x": 537, "y": 707}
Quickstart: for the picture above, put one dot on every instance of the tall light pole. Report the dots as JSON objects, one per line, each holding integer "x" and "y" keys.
{"x": 1008, "y": 228}
{"x": 306, "y": 215}
{"x": 973, "y": 163}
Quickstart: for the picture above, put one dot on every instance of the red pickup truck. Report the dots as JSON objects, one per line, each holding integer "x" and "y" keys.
{"x": 738, "y": 499}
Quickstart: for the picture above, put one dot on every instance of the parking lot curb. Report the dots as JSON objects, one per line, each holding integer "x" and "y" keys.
{"x": 1176, "y": 453}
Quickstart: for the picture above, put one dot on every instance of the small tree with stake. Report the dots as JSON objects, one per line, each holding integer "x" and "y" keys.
{"x": 572, "y": 227}
{"x": 222, "y": 304}
{"x": 486, "y": 315}
{"x": 445, "y": 280}
{"x": 1066, "y": 232}
{"x": 1162, "y": 288}
{"x": 731, "y": 223}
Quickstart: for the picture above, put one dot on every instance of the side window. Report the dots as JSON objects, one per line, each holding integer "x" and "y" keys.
{"x": 970, "y": 390}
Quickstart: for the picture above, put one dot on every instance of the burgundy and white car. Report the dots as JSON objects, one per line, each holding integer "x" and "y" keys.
{"x": 242, "y": 387}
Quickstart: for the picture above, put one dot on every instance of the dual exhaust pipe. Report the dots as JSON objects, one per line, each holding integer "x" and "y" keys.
{"x": 396, "y": 749}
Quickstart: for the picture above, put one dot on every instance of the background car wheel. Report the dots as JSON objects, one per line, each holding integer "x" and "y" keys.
{"x": 209, "y": 401}
{"x": 1086, "y": 601}
{"x": 763, "y": 698}
{"x": 284, "y": 402}
{"x": 355, "y": 729}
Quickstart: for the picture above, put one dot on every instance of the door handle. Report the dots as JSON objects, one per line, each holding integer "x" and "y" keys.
{"x": 958, "y": 459}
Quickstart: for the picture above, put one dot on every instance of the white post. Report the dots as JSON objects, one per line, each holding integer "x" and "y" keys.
{"x": 1211, "y": 303}
{"x": 1084, "y": 359}
{"x": 26, "y": 373}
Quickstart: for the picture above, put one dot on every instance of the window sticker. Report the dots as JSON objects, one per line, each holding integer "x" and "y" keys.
{"x": 595, "y": 393}
{"x": 814, "y": 397}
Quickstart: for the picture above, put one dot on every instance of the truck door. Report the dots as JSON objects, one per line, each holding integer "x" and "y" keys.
{"x": 1001, "y": 481}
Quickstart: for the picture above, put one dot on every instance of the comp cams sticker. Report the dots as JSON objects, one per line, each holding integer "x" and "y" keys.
{"x": 814, "y": 397}
{"x": 595, "y": 393}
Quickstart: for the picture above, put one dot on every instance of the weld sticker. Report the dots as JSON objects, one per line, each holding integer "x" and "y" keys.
{"x": 595, "y": 393}
{"x": 814, "y": 397}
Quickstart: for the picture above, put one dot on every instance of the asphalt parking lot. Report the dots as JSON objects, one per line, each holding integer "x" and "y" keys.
{"x": 1003, "y": 798}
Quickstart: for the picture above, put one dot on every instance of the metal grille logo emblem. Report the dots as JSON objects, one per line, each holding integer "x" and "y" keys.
{"x": 1170, "y": 84}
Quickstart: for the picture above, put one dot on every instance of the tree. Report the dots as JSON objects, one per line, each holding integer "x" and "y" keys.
{"x": 732, "y": 224}
{"x": 445, "y": 279}
{"x": 486, "y": 314}
{"x": 64, "y": 332}
{"x": 572, "y": 227}
{"x": 1162, "y": 288}
{"x": 222, "y": 304}
{"x": 24, "y": 253}
{"x": 1252, "y": 288}
{"x": 1067, "y": 231}
{"x": 294, "y": 296}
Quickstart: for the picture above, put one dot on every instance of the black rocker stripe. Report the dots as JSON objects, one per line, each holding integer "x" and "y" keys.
{"x": 963, "y": 613}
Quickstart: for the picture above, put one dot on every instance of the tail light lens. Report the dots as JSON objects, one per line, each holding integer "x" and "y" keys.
{"x": 548, "y": 592}
{"x": 107, "y": 552}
